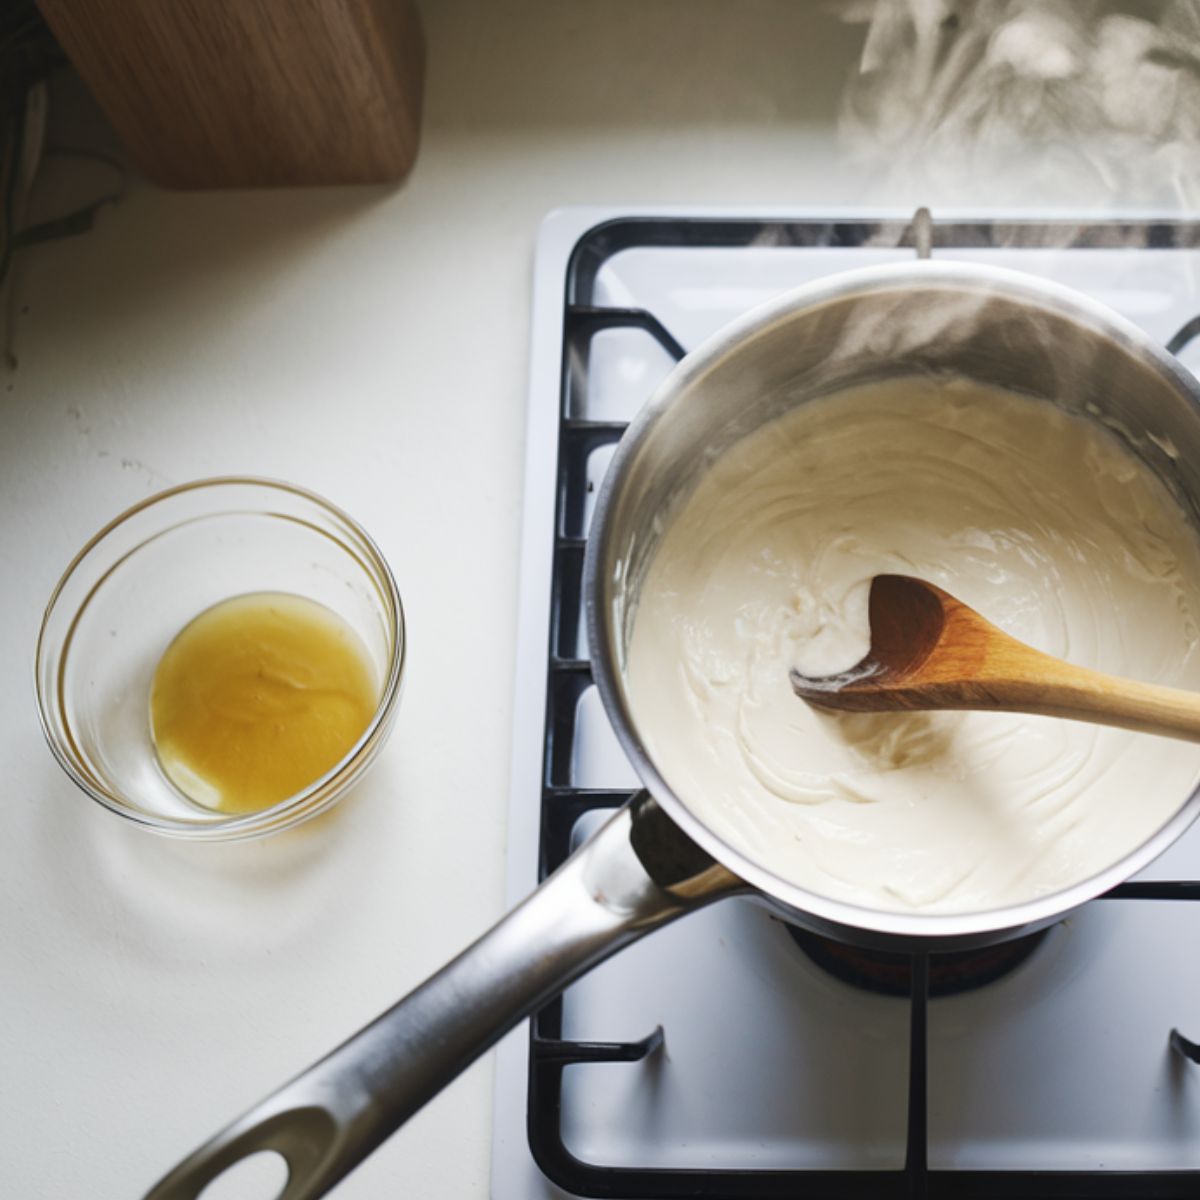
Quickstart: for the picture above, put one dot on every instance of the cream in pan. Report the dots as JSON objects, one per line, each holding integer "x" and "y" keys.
{"x": 1042, "y": 521}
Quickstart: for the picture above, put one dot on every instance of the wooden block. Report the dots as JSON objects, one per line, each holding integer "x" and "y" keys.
{"x": 253, "y": 93}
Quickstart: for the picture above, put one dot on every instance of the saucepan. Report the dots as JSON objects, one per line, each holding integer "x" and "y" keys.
{"x": 655, "y": 860}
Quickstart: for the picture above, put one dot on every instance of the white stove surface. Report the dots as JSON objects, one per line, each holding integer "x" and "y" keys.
{"x": 768, "y": 1062}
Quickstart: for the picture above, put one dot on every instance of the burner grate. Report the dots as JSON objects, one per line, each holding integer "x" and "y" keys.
{"x": 569, "y": 676}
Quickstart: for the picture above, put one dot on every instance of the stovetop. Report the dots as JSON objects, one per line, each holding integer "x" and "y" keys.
{"x": 714, "y": 1058}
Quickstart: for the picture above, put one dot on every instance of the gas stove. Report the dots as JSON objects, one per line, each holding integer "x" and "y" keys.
{"x": 722, "y": 1056}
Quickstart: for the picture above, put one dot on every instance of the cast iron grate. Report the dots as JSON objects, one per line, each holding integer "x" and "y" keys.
{"x": 569, "y": 675}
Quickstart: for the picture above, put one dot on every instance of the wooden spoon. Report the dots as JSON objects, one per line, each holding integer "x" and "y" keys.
{"x": 930, "y": 651}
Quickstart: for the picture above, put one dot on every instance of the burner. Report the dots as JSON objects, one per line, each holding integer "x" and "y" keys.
{"x": 891, "y": 974}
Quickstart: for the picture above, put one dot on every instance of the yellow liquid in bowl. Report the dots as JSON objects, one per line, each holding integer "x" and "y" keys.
{"x": 257, "y": 698}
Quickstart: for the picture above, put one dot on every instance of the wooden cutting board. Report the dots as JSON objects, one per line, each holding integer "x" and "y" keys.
{"x": 253, "y": 93}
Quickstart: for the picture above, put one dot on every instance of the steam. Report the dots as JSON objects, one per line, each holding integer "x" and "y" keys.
{"x": 1048, "y": 100}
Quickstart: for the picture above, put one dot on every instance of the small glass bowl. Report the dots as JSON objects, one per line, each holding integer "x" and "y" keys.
{"x": 149, "y": 572}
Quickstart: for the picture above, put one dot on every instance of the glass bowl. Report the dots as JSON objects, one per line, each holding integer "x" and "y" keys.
{"x": 148, "y": 573}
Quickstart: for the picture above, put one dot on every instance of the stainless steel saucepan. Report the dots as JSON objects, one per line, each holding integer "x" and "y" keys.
{"x": 655, "y": 860}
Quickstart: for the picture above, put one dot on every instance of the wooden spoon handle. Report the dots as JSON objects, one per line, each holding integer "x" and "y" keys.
{"x": 1084, "y": 695}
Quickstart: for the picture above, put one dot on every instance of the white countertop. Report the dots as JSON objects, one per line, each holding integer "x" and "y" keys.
{"x": 371, "y": 344}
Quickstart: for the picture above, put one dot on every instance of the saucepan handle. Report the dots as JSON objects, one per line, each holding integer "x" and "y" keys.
{"x": 637, "y": 872}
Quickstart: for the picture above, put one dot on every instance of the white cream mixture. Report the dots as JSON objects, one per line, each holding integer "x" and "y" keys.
{"x": 1041, "y": 521}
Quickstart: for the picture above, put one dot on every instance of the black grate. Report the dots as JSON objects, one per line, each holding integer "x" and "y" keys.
{"x": 569, "y": 675}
